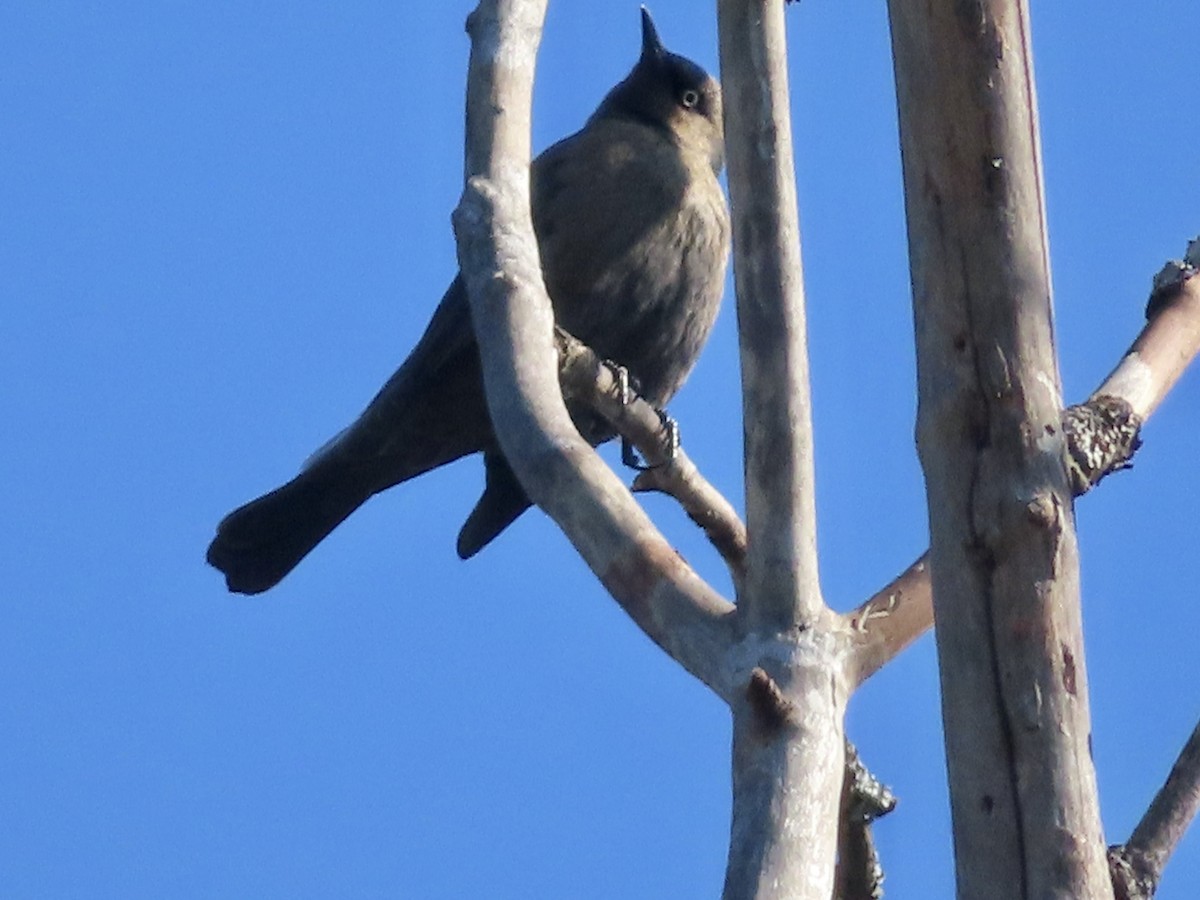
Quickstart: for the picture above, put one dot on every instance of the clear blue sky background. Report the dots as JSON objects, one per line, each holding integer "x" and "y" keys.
{"x": 223, "y": 224}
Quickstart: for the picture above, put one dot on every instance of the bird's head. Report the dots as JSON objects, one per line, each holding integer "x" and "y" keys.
{"x": 670, "y": 92}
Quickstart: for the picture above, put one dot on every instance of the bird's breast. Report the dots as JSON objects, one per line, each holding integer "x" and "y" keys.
{"x": 634, "y": 237}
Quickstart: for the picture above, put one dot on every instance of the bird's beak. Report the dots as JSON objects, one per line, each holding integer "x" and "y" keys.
{"x": 652, "y": 47}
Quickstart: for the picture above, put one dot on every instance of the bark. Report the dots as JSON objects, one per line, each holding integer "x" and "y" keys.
{"x": 1003, "y": 554}
{"x": 787, "y": 723}
{"x": 781, "y": 567}
{"x": 864, "y": 799}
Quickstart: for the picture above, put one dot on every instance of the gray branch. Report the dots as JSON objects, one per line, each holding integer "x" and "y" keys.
{"x": 782, "y": 586}
{"x": 515, "y": 330}
{"x": 1169, "y": 341}
{"x": 1137, "y": 865}
{"x": 788, "y": 716}
{"x": 585, "y": 376}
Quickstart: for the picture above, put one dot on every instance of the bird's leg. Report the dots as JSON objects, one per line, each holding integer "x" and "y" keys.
{"x": 625, "y": 395}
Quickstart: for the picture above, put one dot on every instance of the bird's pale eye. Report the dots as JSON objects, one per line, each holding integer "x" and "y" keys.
{"x": 689, "y": 98}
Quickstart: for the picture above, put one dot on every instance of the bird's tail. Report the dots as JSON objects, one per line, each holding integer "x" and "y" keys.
{"x": 503, "y": 500}
{"x": 259, "y": 543}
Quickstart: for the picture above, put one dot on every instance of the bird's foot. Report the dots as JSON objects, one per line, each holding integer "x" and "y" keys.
{"x": 627, "y": 386}
{"x": 629, "y": 454}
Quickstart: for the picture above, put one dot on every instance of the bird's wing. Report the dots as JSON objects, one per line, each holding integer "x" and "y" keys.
{"x": 430, "y": 410}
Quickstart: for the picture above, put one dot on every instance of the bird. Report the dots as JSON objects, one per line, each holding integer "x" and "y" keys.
{"x": 633, "y": 233}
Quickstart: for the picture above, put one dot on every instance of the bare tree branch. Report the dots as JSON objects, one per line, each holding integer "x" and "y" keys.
{"x": 890, "y": 620}
{"x": 705, "y": 506}
{"x": 1167, "y": 344}
{"x": 902, "y": 611}
{"x": 782, "y": 586}
{"x": 788, "y": 719}
{"x": 587, "y": 377}
{"x": 514, "y": 327}
{"x": 1137, "y": 865}
{"x": 787, "y": 777}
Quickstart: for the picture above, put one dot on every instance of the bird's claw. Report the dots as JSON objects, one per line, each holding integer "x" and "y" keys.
{"x": 629, "y": 454}
{"x": 624, "y": 386}
{"x": 672, "y": 429}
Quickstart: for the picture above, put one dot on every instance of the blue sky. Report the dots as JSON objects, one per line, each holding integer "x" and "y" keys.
{"x": 224, "y": 224}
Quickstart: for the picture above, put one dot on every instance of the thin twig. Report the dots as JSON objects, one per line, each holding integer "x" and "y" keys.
{"x": 585, "y": 376}
{"x": 1137, "y": 865}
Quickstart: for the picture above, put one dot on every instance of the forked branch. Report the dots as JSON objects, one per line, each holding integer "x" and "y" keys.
{"x": 902, "y": 611}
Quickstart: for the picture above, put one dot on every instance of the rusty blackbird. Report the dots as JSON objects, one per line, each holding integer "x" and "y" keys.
{"x": 633, "y": 233}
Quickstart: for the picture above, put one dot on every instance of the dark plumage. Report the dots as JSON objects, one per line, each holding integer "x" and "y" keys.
{"x": 634, "y": 235}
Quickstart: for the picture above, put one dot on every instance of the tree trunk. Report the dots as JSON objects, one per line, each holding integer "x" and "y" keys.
{"x": 1003, "y": 554}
